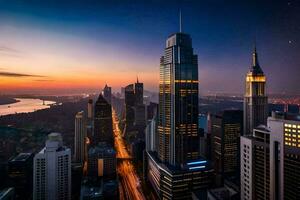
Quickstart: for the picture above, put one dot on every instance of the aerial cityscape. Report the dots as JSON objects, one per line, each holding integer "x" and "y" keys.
{"x": 149, "y": 100}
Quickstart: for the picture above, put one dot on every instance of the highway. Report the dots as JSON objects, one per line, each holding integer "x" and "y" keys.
{"x": 130, "y": 184}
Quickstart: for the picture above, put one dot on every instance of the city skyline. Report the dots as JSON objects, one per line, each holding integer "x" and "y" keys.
{"x": 44, "y": 47}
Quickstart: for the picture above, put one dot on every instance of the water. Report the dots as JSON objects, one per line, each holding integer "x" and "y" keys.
{"x": 24, "y": 106}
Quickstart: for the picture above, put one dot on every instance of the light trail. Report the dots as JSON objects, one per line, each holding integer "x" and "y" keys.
{"x": 129, "y": 179}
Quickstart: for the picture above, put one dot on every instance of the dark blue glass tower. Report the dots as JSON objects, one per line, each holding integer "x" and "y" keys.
{"x": 178, "y": 102}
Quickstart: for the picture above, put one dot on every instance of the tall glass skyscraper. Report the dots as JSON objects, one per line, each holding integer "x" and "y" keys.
{"x": 255, "y": 99}
{"x": 178, "y": 102}
{"x": 174, "y": 168}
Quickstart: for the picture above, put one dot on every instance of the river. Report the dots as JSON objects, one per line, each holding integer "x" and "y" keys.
{"x": 24, "y": 105}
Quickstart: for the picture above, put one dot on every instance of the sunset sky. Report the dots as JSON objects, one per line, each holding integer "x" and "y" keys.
{"x": 77, "y": 46}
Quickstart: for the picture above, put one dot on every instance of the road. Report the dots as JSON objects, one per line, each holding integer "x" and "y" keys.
{"x": 130, "y": 184}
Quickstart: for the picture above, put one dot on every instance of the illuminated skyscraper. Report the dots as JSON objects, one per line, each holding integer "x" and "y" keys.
{"x": 178, "y": 102}
{"x": 255, "y": 99}
{"x": 176, "y": 169}
{"x": 80, "y": 135}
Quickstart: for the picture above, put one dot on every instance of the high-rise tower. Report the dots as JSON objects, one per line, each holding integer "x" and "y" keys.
{"x": 178, "y": 102}
{"x": 174, "y": 167}
{"x": 255, "y": 99}
{"x": 52, "y": 170}
{"x": 103, "y": 131}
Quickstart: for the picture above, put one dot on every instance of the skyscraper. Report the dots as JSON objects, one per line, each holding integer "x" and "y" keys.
{"x": 107, "y": 93}
{"x": 103, "y": 131}
{"x": 52, "y": 170}
{"x": 80, "y": 136}
{"x": 178, "y": 101}
{"x": 139, "y": 108}
{"x": 255, "y": 164}
{"x": 20, "y": 175}
{"x": 270, "y": 159}
{"x": 255, "y": 99}
{"x": 139, "y": 92}
{"x": 177, "y": 169}
{"x": 129, "y": 105}
{"x": 226, "y": 130}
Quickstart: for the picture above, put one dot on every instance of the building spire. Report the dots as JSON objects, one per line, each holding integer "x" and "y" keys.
{"x": 254, "y": 56}
{"x": 137, "y": 79}
{"x": 180, "y": 22}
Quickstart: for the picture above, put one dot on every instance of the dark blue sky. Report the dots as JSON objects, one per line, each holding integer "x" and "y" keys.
{"x": 223, "y": 34}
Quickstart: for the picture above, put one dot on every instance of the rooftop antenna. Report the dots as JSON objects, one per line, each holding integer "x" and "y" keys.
{"x": 180, "y": 22}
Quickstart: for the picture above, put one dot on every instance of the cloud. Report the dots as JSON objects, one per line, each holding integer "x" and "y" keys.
{"x": 8, "y": 51}
{"x": 12, "y": 74}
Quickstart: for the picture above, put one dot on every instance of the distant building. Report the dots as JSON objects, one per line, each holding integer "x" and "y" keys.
{"x": 255, "y": 99}
{"x": 80, "y": 136}
{"x": 102, "y": 161}
{"x": 129, "y": 105}
{"x": 103, "y": 131}
{"x": 107, "y": 93}
{"x": 203, "y": 122}
{"x": 90, "y": 109}
{"x": 52, "y": 170}
{"x": 226, "y": 129}
{"x": 139, "y": 92}
{"x": 20, "y": 175}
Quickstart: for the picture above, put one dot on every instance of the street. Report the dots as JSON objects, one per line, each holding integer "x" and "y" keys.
{"x": 130, "y": 184}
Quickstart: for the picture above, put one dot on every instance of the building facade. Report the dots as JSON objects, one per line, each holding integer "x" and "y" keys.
{"x": 226, "y": 129}
{"x": 52, "y": 170}
{"x": 102, "y": 161}
{"x": 255, "y": 99}
{"x": 255, "y": 164}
